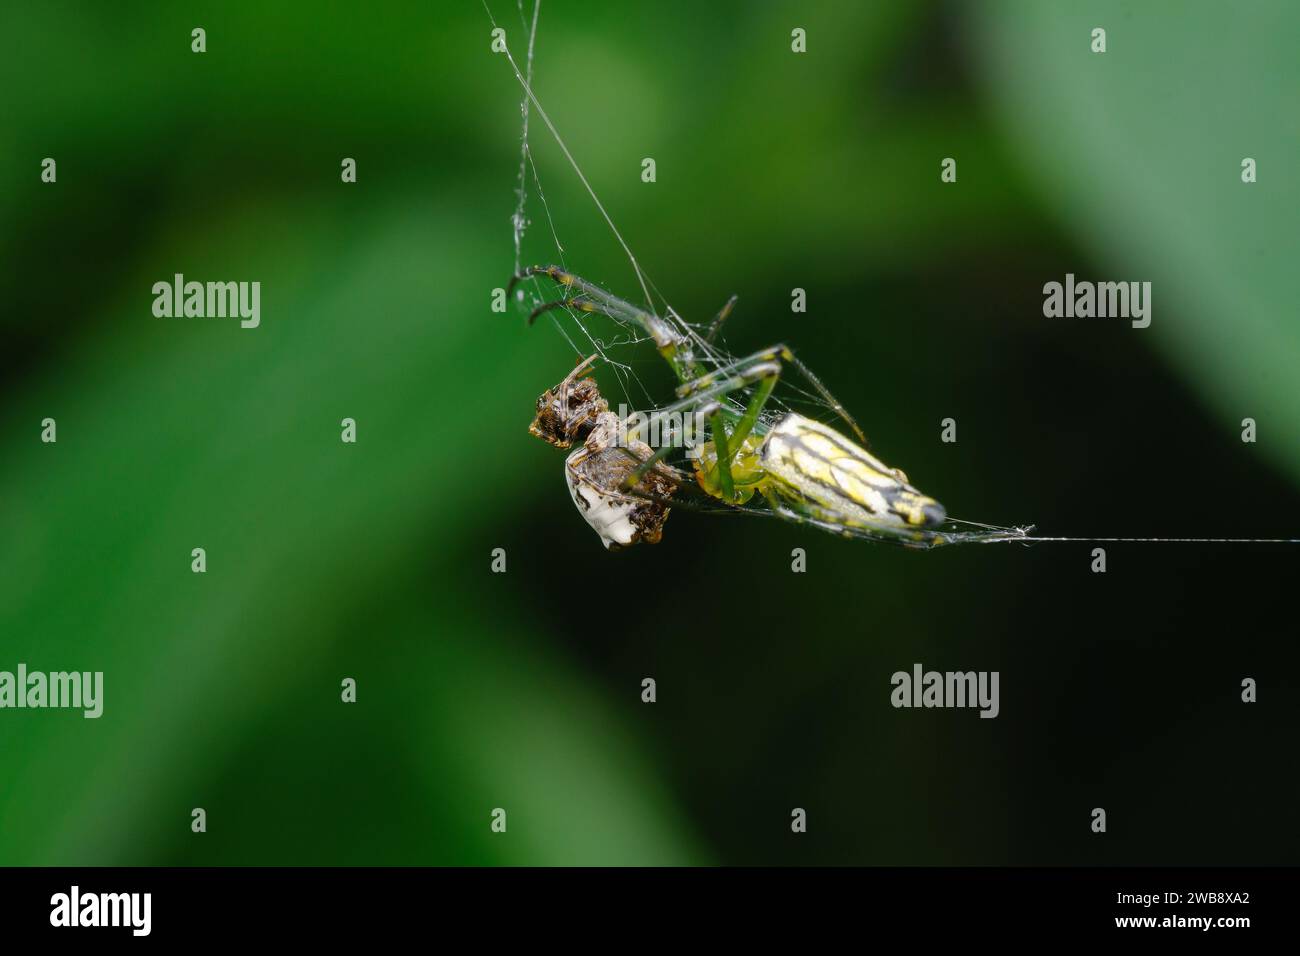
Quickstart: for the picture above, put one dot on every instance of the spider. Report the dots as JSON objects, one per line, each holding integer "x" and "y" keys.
{"x": 806, "y": 472}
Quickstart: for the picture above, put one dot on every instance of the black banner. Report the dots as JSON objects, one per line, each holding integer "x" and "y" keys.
{"x": 333, "y": 905}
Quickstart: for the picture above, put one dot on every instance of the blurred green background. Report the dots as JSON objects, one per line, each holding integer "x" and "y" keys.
{"x": 522, "y": 690}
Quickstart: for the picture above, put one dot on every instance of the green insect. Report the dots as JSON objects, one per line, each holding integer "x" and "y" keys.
{"x": 792, "y": 467}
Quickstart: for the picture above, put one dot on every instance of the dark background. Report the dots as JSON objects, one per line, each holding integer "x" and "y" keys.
{"x": 775, "y": 170}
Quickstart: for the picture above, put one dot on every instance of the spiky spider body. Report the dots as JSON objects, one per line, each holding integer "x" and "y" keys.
{"x": 806, "y": 471}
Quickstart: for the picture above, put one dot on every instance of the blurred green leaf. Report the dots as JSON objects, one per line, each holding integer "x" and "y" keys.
{"x": 1139, "y": 150}
{"x": 199, "y": 433}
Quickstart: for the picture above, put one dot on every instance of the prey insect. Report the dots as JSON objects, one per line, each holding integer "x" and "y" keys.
{"x": 800, "y": 469}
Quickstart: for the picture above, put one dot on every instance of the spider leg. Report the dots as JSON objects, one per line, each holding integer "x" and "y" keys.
{"x": 739, "y": 367}
{"x": 706, "y": 504}
{"x": 634, "y": 479}
{"x": 582, "y": 305}
{"x": 828, "y": 398}
{"x": 702, "y": 392}
{"x": 688, "y": 496}
{"x": 676, "y": 349}
{"x": 664, "y": 336}
{"x": 718, "y": 429}
{"x": 577, "y": 283}
{"x": 700, "y": 398}
{"x": 716, "y": 325}
{"x": 712, "y": 411}
{"x": 779, "y": 353}
{"x": 763, "y": 367}
{"x": 674, "y": 346}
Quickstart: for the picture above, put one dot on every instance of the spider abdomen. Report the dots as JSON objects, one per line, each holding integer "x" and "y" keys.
{"x": 846, "y": 482}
